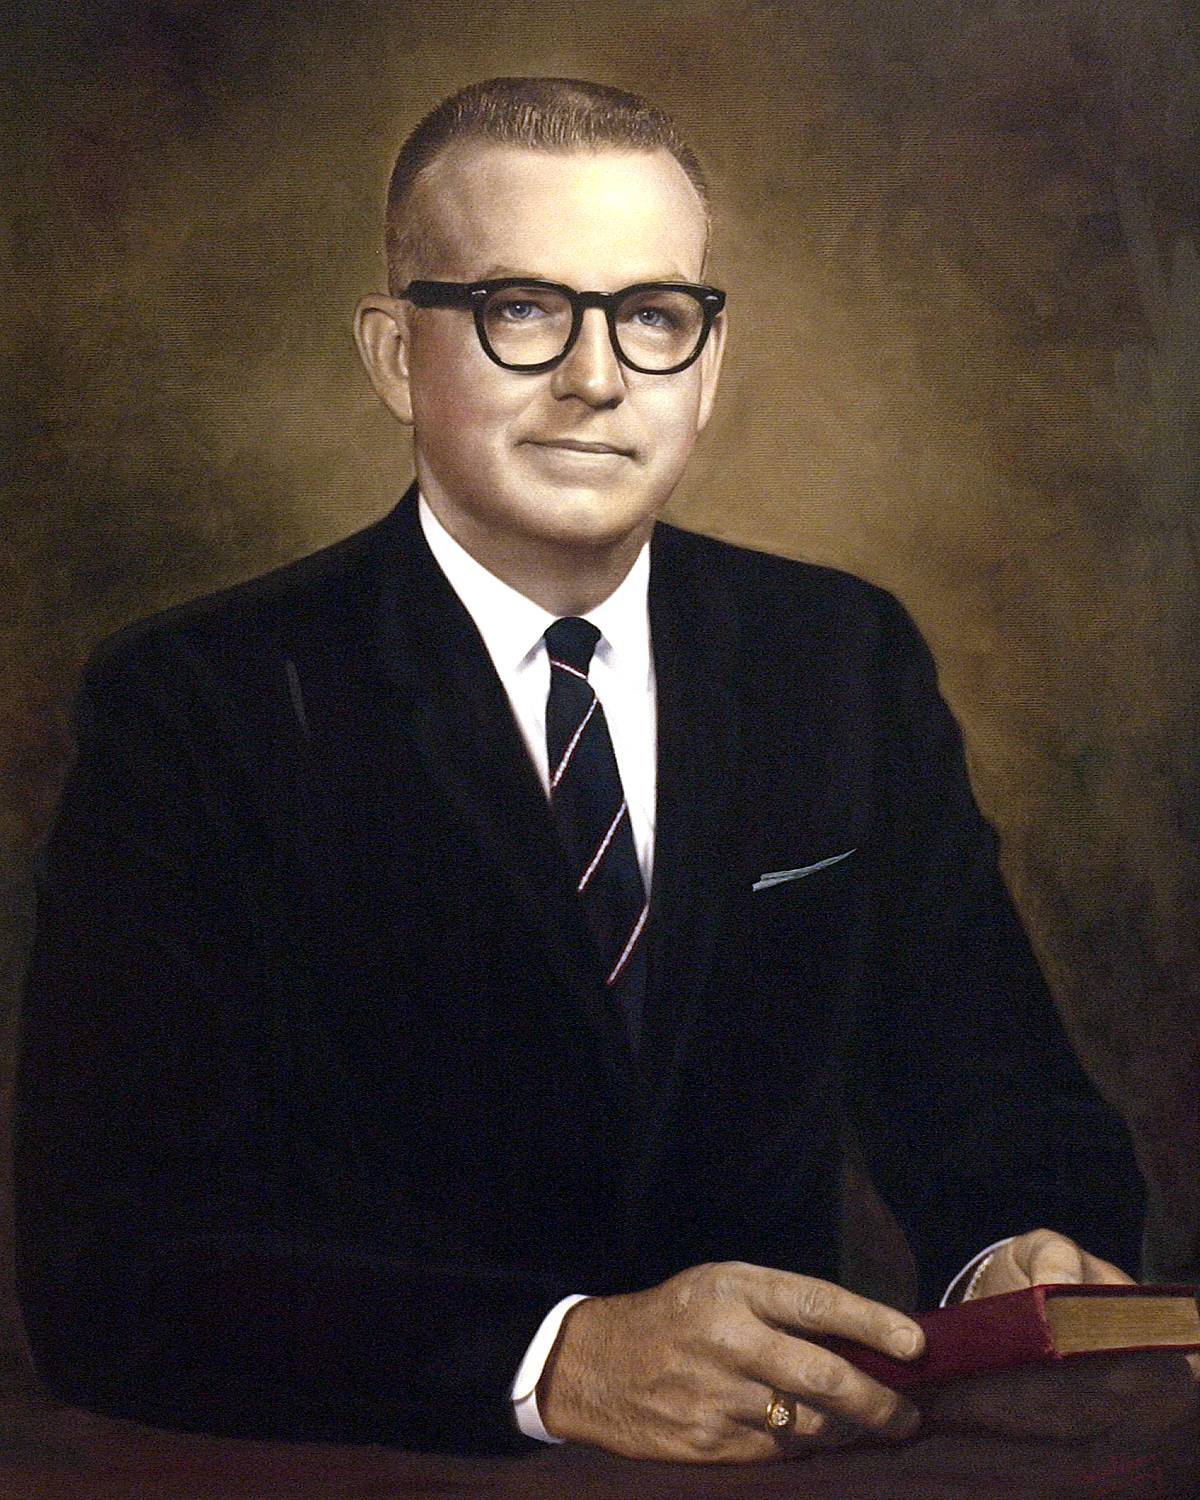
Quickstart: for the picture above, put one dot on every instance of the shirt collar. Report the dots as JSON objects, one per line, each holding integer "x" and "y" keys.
{"x": 512, "y": 626}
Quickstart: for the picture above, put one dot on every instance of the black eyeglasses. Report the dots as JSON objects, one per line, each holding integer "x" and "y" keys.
{"x": 656, "y": 327}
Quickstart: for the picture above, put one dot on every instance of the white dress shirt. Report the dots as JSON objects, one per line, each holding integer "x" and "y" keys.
{"x": 622, "y": 677}
{"x": 621, "y": 673}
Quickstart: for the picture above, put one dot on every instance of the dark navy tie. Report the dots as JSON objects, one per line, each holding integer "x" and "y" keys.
{"x": 593, "y": 818}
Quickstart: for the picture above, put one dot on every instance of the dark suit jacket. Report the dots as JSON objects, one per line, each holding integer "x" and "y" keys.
{"x": 321, "y": 1103}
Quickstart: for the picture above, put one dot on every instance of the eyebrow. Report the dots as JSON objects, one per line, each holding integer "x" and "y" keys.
{"x": 498, "y": 272}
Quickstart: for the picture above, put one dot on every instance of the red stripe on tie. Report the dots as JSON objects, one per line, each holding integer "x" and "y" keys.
{"x": 604, "y": 843}
{"x": 575, "y": 738}
{"x": 628, "y": 948}
{"x": 567, "y": 667}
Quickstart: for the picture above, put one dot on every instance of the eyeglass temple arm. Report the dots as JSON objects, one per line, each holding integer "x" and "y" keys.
{"x": 439, "y": 294}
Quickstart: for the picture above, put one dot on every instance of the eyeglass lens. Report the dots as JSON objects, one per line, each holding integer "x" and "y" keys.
{"x": 655, "y": 329}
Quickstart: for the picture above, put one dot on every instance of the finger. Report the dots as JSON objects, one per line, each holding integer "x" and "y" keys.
{"x": 1048, "y": 1257}
{"x": 808, "y": 1427}
{"x": 830, "y": 1387}
{"x": 812, "y": 1428}
{"x": 804, "y": 1303}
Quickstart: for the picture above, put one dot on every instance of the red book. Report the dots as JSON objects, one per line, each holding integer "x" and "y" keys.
{"x": 1035, "y": 1326}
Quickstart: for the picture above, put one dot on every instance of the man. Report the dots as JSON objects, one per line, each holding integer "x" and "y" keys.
{"x": 513, "y": 902}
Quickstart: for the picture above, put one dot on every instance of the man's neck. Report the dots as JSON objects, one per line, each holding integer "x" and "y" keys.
{"x": 562, "y": 579}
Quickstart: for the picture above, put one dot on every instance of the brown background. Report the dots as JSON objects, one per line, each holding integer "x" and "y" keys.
{"x": 960, "y": 241}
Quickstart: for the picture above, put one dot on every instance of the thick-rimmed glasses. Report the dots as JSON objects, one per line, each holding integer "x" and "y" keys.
{"x": 656, "y": 327}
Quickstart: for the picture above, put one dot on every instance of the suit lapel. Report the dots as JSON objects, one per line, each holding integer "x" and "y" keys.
{"x": 694, "y": 633}
{"x": 442, "y": 692}
{"x": 434, "y": 684}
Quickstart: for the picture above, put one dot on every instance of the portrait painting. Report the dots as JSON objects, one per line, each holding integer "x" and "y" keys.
{"x": 959, "y": 247}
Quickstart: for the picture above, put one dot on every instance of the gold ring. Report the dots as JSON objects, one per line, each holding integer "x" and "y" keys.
{"x": 781, "y": 1411}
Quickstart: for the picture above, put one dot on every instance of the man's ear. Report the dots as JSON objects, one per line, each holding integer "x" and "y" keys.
{"x": 381, "y": 331}
{"x": 710, "y": 370}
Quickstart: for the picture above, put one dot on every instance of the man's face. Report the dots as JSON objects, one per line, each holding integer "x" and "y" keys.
{"x": 585, "y": 454}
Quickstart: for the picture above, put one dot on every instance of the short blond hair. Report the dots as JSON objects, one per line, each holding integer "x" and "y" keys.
{"x": 544, "y": 114}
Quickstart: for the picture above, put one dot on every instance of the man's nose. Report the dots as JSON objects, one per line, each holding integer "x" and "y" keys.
{"x": 591, "y": 370}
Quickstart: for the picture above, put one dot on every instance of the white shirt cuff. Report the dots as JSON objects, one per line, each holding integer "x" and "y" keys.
{"x": 965, "y": 1282}
{"x": 529, "y": 1371}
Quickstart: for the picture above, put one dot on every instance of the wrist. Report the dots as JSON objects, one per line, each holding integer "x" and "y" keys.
{"x": 533, "y": 1363}
{"x": 972, "y": 1287}
{"x": 563, "y": 1391}
{"x": 965, "y": 1285}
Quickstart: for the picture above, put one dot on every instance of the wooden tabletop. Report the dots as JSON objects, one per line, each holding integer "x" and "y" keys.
{"x": 49, "y": 1452}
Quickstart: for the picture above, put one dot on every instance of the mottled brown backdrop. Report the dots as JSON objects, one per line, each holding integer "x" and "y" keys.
{"x": 960, "y": 241}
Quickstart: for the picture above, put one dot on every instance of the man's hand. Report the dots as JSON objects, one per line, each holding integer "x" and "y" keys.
{"x": 684, "y": 1371}
{"x": 1042, "y": 1256}
{"x": 1104, "y": 1395}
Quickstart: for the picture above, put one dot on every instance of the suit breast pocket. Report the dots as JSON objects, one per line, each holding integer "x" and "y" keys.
{"x": 805, "y": 919}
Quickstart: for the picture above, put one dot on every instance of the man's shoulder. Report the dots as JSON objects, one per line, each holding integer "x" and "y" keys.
{"x": 767, "y": 609}
{"x": 312, "y": 598}
{"x": 764, "y": 582}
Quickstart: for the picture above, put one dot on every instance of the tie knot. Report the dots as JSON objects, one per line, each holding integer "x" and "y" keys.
{"x": 572, "y": 641}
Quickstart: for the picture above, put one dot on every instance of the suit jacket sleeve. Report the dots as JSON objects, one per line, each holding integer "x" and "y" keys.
{"x": 173, "y": 1266}
{"x": 976, "y": 1118}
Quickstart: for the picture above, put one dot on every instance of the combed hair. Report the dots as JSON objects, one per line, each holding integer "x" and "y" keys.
{"x": 545, "y": 114}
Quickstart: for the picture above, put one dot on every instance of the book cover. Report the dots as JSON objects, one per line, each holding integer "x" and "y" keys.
{"x": 1015, "y": 1328}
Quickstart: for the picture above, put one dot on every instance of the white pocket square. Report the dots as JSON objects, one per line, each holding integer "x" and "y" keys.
{"x": 779, "y": 877}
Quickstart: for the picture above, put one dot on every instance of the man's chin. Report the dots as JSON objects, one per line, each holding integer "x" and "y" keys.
{"x": 589, "y": 530}
{"x": 588, "y": 517}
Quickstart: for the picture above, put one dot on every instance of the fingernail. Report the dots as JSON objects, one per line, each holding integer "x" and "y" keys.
{"x": 905, "y": 1341}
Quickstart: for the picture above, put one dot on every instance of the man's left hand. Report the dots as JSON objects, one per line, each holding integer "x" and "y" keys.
{"x": 1139, "y": 1394}
{"x": 1040, "y": 1257}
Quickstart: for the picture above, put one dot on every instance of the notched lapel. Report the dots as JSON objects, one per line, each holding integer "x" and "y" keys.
{"x": 695, "y": 640}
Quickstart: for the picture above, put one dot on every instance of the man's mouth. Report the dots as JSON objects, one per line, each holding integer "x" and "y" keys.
{"x": 579, "y": 445}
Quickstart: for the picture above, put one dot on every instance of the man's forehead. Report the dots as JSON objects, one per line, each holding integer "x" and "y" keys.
{"x": 483, "y": 197}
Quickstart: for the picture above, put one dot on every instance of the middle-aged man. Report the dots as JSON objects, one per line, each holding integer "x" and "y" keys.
{"x": 461, "y": 952}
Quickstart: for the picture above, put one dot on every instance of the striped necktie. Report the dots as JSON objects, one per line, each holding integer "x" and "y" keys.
{"x": 593, "y": 818}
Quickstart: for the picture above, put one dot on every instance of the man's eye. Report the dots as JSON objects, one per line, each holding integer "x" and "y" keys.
{"x": 518, "y": 310}
{"x": 650, "y": 316}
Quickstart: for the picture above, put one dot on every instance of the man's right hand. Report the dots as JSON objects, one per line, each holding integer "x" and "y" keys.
{"x": 684, "y": 1371}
